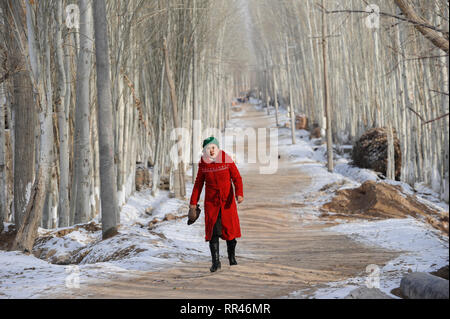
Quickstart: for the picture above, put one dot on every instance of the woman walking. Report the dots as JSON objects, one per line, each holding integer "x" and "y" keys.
{"x": 216, "y": 169}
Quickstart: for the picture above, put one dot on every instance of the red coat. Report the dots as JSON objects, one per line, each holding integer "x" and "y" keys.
{"x": 219, "y": 194}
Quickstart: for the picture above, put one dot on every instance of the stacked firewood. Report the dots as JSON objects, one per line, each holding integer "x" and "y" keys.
{"x": 371, "y": 150}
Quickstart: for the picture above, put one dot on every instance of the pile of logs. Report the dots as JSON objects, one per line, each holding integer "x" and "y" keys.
{"x": 371, "y": 150}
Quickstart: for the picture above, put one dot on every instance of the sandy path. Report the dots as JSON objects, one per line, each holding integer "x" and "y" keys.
{"x": 277, "y": 254}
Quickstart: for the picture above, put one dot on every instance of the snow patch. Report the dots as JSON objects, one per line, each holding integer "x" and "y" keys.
{"x": 422, "y": 249}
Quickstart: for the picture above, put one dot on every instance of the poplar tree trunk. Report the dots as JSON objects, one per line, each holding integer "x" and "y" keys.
{"x": 173, "y": 96}
{"x": 63, "y": 125}
{"x": 291, "y": 102}
{"x": 24, "y": 117}
{"x": 108, "y": 187}
{"x": 196, "y": 126}
{"x": 82, "y": 153}
{"x": 3, "y": 203}
{"x": 2, "y": 154}
{"x": 326, "y": 98}
{"x": 159, "y": 165}
{"x": 24, "y": 143}
{"x": 27, "y": 232}
{"x": 275, "y": 96}
{"x": 266, "y": 84}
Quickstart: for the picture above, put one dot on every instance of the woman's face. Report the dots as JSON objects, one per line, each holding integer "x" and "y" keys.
{"x": 212, "y": 150}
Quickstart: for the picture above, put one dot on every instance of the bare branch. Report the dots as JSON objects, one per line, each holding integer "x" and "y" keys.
{"x": 438, "y": 118}
{"x": 390, "y": 15}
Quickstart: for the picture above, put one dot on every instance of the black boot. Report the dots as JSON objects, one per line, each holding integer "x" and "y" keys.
{"x": 231, "y": 246}
{"x": 214, "y": 247}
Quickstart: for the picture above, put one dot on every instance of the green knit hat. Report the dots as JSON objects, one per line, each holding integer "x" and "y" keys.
{"x": 209, "y": 140}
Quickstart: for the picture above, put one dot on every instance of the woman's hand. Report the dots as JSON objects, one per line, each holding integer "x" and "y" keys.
{"x": 192, "y": 206}
{"x": 240, "y": 199}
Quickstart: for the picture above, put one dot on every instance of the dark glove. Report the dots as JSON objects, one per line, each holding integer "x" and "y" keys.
{"x": 193, "y": 214}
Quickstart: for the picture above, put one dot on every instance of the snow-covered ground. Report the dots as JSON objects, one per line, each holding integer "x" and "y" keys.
{"x": 172, "y": 242}
{"x": 423, "y": 247}
{"x": 168, "y": 243}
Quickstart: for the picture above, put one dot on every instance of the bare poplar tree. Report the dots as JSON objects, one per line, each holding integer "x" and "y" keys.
{"x": 39, "y": 55}
{"x": 2, "y": 151}
{"x": 326, "y": 97}
{"x": 108, "y": 188}
{"x": 23, "y": 108}
{"x": 82, "y": 154}
{"x": 176, "y": 124}
{"x": 63, "y": 123}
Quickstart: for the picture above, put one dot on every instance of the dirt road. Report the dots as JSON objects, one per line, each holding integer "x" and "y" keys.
{"x": 278, "y": 253}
